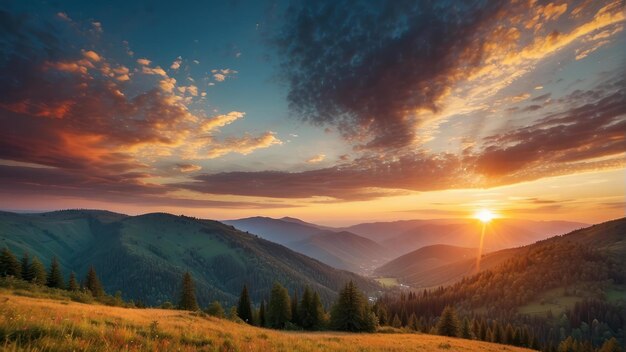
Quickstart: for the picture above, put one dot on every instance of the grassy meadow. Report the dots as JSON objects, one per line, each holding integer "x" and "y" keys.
{"x": 41, "y": 324}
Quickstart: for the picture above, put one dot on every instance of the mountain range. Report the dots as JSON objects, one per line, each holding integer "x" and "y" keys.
{"x": 145, "y": 256}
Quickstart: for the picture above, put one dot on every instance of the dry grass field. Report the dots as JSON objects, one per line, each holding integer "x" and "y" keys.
{"x": 35, "y": 324}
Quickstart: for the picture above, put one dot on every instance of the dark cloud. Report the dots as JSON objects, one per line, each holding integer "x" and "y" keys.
{"x": 542, "y": 97}
{"x": 128, "y": 188}
{"x": 368, "y": 66}
{"x": 363, "y": 179}
{"x": 557, "y": 144}
{"x": 592, "y": 130}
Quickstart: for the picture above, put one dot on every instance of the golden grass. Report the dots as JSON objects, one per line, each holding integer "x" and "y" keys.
{"x": 35, "y": 324}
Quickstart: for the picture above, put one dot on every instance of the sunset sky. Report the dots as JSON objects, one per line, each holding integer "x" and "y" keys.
{"x": 335, "y": 112}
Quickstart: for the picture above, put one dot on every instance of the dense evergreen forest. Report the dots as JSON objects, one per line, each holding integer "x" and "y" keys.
{"x": 488, "y": 302}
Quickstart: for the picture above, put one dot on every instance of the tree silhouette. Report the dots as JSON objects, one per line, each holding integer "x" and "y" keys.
{"x": 9, "y": 265}
{"x": 448, "y": 324}
{"x": 244, "y": 306}
{"x": 72, "y": 284}
{"x": 188, "y": 294}
{"x": 279, "y": 308}
{"x": 55, "y": 278}
{"x": 262, "y": 318}
{"x": 25, "y": 267}
{"x": 351, "y": 311}
{"x": 37, "y": 272}
{"x": 92, "y": 283}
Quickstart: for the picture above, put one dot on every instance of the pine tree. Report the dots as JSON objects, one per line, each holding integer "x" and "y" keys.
{"x": 72, "y": 284}
{"x": 188, "y": 294}
{"x": 215, "y": 309}
{"x": 413, "y": 322}
{"x": 92, "y": 283}
{"x": 37, "y": 272}
{"x": 55, "y": 278}
{"x": 279, "y": 308}
{"x": 262, "y": 320}
{"x": 351, "y": 311}
{"x": 9, "y": 265}
{"x": 311, "y": 310}
{"x": 244, "y": 306}
{"x": 295, "y": 316}
{"x": 25, "y": 267}
{"x": 466, "y": 330}
{"x": 610, "y": 346}
{"x": 396, "y": 322}
{"x": 448, "y": 324}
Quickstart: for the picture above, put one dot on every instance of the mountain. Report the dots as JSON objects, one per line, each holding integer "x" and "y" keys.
{"x": 425, "y": 258}
{"x": 402, "y": 237}
{"x": 145, "y": 256}
{"x": 339, "y": 249}
{"x": 275, "y": 230}
{"x": 608, "y": 238}
{"x": 302, "y": 222}
{"x": 343, "y": 250}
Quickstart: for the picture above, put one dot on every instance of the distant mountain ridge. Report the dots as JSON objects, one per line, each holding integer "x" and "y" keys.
{"x": 608, "y": 237}
{"x": 145, "y": 256}
{"x": 339, "y": 249}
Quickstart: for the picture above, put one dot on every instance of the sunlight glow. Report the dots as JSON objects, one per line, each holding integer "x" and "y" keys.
{"x": 484, "y": 216}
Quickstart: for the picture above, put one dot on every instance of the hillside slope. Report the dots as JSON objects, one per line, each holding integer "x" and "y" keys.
{"x": 339, "y": 249}
{"x": 343, "y": 250}
{"x": 145, "y": 256}
{"x": 607, "y": 238}
{"x": 26, "y": 323}
{"x": 425, "y": 258}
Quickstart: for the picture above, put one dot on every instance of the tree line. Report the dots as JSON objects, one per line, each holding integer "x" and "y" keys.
{"x": 488, "y": 302}
{"x": 350, "y": 312}
{"x": 34, "y": 272}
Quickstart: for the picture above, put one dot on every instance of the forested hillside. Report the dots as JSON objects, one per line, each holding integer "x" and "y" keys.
{"x": 586, "y": 266}
{"x": 145, "y": 256}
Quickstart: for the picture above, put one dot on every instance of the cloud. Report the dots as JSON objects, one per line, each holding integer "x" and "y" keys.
{"x": 243, "y": 145}
{"x": 144, "y": 62}
{"x": 221, "y": 74}
{"x": 381, "y": 72}
{"x": 316, "y": 159}
{"x": 218, "y": 121}
{"x": 188, "y": 167}
{"x": 79, "y": 115}
{"x": 587, "y": 136}
{"x": 176, "y": 64}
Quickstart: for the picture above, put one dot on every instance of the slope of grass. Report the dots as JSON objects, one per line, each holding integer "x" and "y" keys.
{"x": 34, "y": 324}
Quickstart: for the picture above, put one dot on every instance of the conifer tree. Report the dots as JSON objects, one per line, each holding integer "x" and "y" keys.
{"x": 295, "y": 316}
{"x": 311, "y": 311}
{"x": 466, "y": 329}
{"x": 413, "y": 322}
{"x": 448, "y": 324}
{"x": 72, "y": 284}
{"x": 55, "y": 278}
{"x": 262, "y": 319}
{"x": 92, "y": 283}
{"x": 25, "y": 267}
{"x": 351, "y": 311}
{"x": 215, "y": 309}
{"x": 244, "y": 306}
{"x": 396, "y": 322}
{"x": 610, "y": 346}
{"x": 37, "y": 272}
{"x": 188, "y": 294}
{"x": 279, "y": 308}
{"x": 9, "y": 265}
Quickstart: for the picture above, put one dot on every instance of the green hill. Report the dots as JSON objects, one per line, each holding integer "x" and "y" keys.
{"x": 144, "y": 256}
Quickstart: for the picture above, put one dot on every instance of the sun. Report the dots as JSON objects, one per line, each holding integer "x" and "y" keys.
{"x": 484, "y": 216}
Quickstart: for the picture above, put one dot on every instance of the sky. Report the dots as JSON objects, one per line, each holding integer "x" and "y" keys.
{"x": 335, "y": 112}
